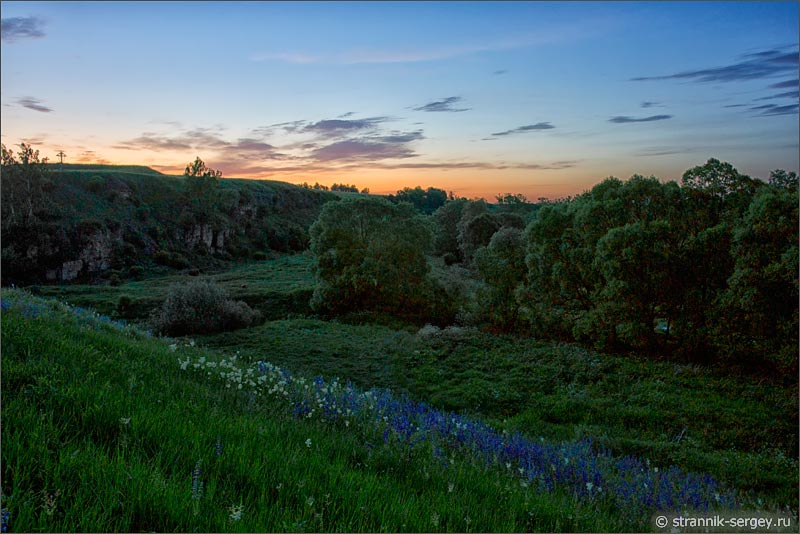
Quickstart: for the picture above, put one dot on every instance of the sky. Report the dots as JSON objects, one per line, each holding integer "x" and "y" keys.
{"x": 479, "y": 98}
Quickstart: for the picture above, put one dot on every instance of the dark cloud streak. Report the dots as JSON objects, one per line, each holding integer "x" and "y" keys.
{"x": 16, "y": 28}
{"x": 33, "y": 103}
{"x": 527, "y": 128}
{"x": 627, "y": 120}
{"x": 767, "y": 110}
{"x": 785, "y": 84}
{"x": 755, "y": 66}
{"x": 443, "y": 105}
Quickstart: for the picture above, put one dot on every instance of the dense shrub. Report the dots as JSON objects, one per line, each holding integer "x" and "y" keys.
{"x": 95, "y": 184}
{"x": 175, "y": 260}
{"x": 136, "y": 272}
{"x": 200, "y": 307}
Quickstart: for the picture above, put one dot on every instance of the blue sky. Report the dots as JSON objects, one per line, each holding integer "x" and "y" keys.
{"x": 543, "y": 98}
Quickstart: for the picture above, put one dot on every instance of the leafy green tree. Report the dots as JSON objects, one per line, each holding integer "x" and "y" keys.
{"x": 501, "y": 264}
{"x": 446, "y": 220}
{"x": 782, "y": 179}
{"x": 638, "y": 281}
{"x": 724, "y": 191}
{"x": 511, "y": 199}
{"x": 759, "y": 308}
{"x": 203, "y": 189}
{"x": 23, "y": 180}
{"x": 370, "y": 256}
{"x": 476, "y": 233}
{"x": 425, "y": 200}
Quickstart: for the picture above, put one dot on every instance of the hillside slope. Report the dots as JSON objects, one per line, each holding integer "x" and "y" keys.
{"x": 104, "y": 221}
{"x": 106, "y": 429}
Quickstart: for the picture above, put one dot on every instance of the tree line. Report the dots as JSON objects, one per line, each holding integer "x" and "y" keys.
{"x": 706, "y": 270}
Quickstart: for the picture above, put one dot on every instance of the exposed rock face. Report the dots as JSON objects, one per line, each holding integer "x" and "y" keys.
{"x": 213, "y": 240}
{"x": 96, "y": 254}
{"x": 71, "y": 269}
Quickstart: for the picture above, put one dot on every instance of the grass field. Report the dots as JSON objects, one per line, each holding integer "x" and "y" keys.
{"x": 114, "y": 427}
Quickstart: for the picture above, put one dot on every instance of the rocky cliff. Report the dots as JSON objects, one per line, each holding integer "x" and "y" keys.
{"x": 102, "y": 222}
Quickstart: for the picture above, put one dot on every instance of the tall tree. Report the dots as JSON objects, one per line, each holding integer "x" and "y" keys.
{"x": 370, "y": 256}
{"x": 23, "y": 178}
{"x": 203, "y": 189}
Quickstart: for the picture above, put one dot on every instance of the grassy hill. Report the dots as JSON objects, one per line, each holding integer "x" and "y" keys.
{"x": 116, "y": 222}
{"x": 105, "y": 428}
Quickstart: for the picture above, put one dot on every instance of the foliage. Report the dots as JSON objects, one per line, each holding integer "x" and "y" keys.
{"x": 657, "y": 267}
{"x": 446, "y": 220}
{"x": 476, "y": 232}
{"x": 23, "y": 179}
{"x": 200, "y": 306}
{"x": 345, "y": 188}
{"x": 760, "y": 303}
{"x": 370, "y": 255}
{"x": 425, "y": 200}
{"x": 203, "y": 189}
{"x": 501, "y": 264}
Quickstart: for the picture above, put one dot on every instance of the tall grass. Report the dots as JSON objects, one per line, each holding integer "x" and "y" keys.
{"x": 107, "y": 429}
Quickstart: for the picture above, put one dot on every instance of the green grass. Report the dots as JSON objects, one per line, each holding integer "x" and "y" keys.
{"x": 742, "y": 431}
{"x": 275, "y": 287}
{"x": 102, "y": 432}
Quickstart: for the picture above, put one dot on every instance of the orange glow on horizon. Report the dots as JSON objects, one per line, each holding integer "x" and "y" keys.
{"x": 463, "y": 182}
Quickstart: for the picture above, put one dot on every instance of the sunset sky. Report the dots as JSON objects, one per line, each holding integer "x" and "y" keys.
{"x": 540, "y": 98}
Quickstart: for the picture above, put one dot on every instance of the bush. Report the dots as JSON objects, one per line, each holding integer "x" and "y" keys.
{"x": 96, "y": 184}
{"x": 259, "y": 256}
{"x": 124, "y": 305}
{"x": 171, "y": 259}
{"x": 200, "y": 307}
{"x": 136, "y": 272}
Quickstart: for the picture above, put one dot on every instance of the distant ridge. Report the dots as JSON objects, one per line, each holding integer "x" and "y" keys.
{"x": 132, "y": 169}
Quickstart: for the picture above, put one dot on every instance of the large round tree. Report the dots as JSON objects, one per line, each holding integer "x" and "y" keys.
{"x": 370, "y": 256}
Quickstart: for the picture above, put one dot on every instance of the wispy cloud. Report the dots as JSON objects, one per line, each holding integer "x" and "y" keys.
{"x": 17, "y": 28}
{"x": 338, "y": 127}
{"x": 480, "y": 165}
{"x": 499, "y": 72}
{"x": 33, "y": 103}
{"x": 787, "y": 94}
{"x": 151, "y": 141}
{"x": 787, "y": 84}
{"x": 661, "y": 151}
{"x": 443, "y": 105}
{"x": 362, "y": 149}
{"x": 550, "y": 35}
{"x": 775, "y": 109}
{"x": 528, "y": 128}
{"x": 202, "y": 140}
{"x": 297, "y": 58}
{"x": 647, "y": 104}
{"x": 90, "y": 156}
{"x": 765, "y": 64}
{"x": 622, "y": 119}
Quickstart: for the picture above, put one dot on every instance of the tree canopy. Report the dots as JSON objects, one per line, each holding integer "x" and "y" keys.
{"x": 370, "y": 255}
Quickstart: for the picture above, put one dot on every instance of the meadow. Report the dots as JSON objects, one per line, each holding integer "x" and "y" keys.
{"x": 305, "y": 424}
